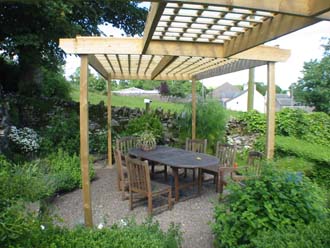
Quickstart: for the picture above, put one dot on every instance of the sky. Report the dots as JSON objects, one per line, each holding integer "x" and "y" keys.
{"x": 305, "y": 45}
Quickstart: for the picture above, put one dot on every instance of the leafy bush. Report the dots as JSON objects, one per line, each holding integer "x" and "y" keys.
{"x": 62, "y": 133}
{"x": 211, "y": 122}
{"x": 148, "y": 234}
{"x": 145, "y": 122}
{"x": 314, "y": 235}
{"x": 291, "y": 122}
{"x": 25, "y": 140}
{"x": 22, "y": 182}
{"x": 254, "y": 122}
{"x": 65, "y": 170}
{"x": 98, "y": 141}
{"x": 55, "y": 85}
{"x": 318, "y": 128}
{"x": 275, "y": 200}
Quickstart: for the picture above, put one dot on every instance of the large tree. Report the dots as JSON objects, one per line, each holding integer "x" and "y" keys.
{"x": 314, "y": 87}
{"x": 30, "y": 30}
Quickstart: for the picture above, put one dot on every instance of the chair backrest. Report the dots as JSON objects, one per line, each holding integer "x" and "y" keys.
{"x": 138, "y": 175}
{"x": 226, "y": 154}
{"x": 125, "y": 143}
{"x": 254, "y": 162}
{"x": 119, "y": 164}
{"x": 196, "y": 145}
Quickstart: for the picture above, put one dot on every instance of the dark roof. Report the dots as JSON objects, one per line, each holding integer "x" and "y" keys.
{"x": 226, "y": 91}
{"x": 284, "y": 100}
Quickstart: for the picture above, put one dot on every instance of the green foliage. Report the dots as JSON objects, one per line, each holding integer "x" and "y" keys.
{"x": 254, "y": 122}
{"x": 22, "y": 182}
{"x": 145, "y": 122}
{"x": 65, "y": 170}
{"x": 313, "y": 127}
{"x": 54, "y": 84}
{"x": 211, "y": 122}
{"x": 95, "y": 82}
{"x": 291, "y": 122}
{"x": 42, "y": 23}
{"x": 274, "y": 200}
{"x": 314, "y": 87}
{"x": 303, "y": 149}
{"x": 295, "y": 164}
{"x": 62, "y": 133}
{"x": 148, "y": 234}
{"x": 98, "y": 141}
{"x": 314, "y": 235}
{"x": 262, "y": 88}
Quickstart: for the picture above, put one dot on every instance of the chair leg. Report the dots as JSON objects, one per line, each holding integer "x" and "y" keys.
{"x": 200, "y": 180}
{"x": 194, "y": 174}
{"x": 165, "y": 172}
{"x": 169, "y": 198}
{"x": 130, "y": 200}
{"x": 217, "y": 183}
{"x": 185, "y": 173}
{"x": 150, "y": 204}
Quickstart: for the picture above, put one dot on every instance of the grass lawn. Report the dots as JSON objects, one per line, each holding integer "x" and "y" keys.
{"x": 132, "y": 101}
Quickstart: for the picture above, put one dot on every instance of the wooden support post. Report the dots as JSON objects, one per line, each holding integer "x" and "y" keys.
{"x": 193, "y": 103}
{"x": 109, "y": 124}
{"x": 270, "y": 135}
{"x": 250, "y": 100}
{"x": 84, "y": 149}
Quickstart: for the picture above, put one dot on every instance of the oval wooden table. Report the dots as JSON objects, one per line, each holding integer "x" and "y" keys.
{"x": 176, "y": 158}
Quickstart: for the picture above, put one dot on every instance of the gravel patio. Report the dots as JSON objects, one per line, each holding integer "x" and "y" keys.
{"x": 194, "y": 214}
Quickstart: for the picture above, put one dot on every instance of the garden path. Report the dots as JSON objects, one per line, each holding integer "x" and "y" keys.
{"x": 108, "y": 208}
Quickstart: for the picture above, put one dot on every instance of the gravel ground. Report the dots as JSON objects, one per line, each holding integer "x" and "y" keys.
{"x": 192, "y": 214}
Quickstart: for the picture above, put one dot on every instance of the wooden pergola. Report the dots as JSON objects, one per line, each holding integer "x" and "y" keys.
{"x": 192, "y": 40}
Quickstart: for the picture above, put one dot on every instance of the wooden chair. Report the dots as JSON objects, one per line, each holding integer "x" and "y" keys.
{"x": 252, "y": 170}
{"x": 123, "y": 145}
{"x": 122, "y": 174}
{"x": 140, "y": 183}
{"x": 226, "y": 155}
{"x": 195, "y": 145}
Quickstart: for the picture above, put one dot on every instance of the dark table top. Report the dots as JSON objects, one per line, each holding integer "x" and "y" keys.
{"x": 176, "y": 157}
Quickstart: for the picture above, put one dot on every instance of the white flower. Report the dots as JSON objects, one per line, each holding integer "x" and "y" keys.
{"x": 123, "y": 222}
{"x": 42, "y": 227}
{"x": 100, "y": 226}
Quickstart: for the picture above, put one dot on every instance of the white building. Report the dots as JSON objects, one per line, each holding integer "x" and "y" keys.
{"x": 239, "y": 102}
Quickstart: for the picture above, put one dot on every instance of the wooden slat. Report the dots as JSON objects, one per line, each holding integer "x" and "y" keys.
{"x": 269, "y": 30}
{"x": 151, "y": 24}
{"x": 110, "y": 64}
{"x": 229, "y": 67}
{"x": 118, "y": 61}
{"x": 193, "y": 103}
{"x": 293, "y": 7}
{"x": 109, "y": 123}
{"x": 165, "y": 62}
{"x": 149, "y": 63}
{"x": 271, "y": 91}
{"x": 84, "y": 149}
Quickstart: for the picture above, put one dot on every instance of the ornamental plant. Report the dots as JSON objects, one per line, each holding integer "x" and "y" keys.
{"x": 273, "y": 201}
{"x": 25, "y": 139}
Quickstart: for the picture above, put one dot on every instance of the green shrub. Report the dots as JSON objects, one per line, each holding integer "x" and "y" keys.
{"x": 65, "y": 170}
{"x": 211, "y": 119}
{"x": 318, "y": 128}
{"x": 147, "y": 234}
{"x": 55, "y": 85}
{"x": 253, "y": 121}
{"x": 272, "y": 201}
{"x": 314, "y": 235}
{"x": 23, "y": 182}
{"x": 145, "y": 122}
{"x": 62, "y": 133}
{"x": 291, "y": 122}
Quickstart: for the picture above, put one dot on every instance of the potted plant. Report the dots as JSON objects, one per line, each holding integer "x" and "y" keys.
{"x": 147, "y": 141}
